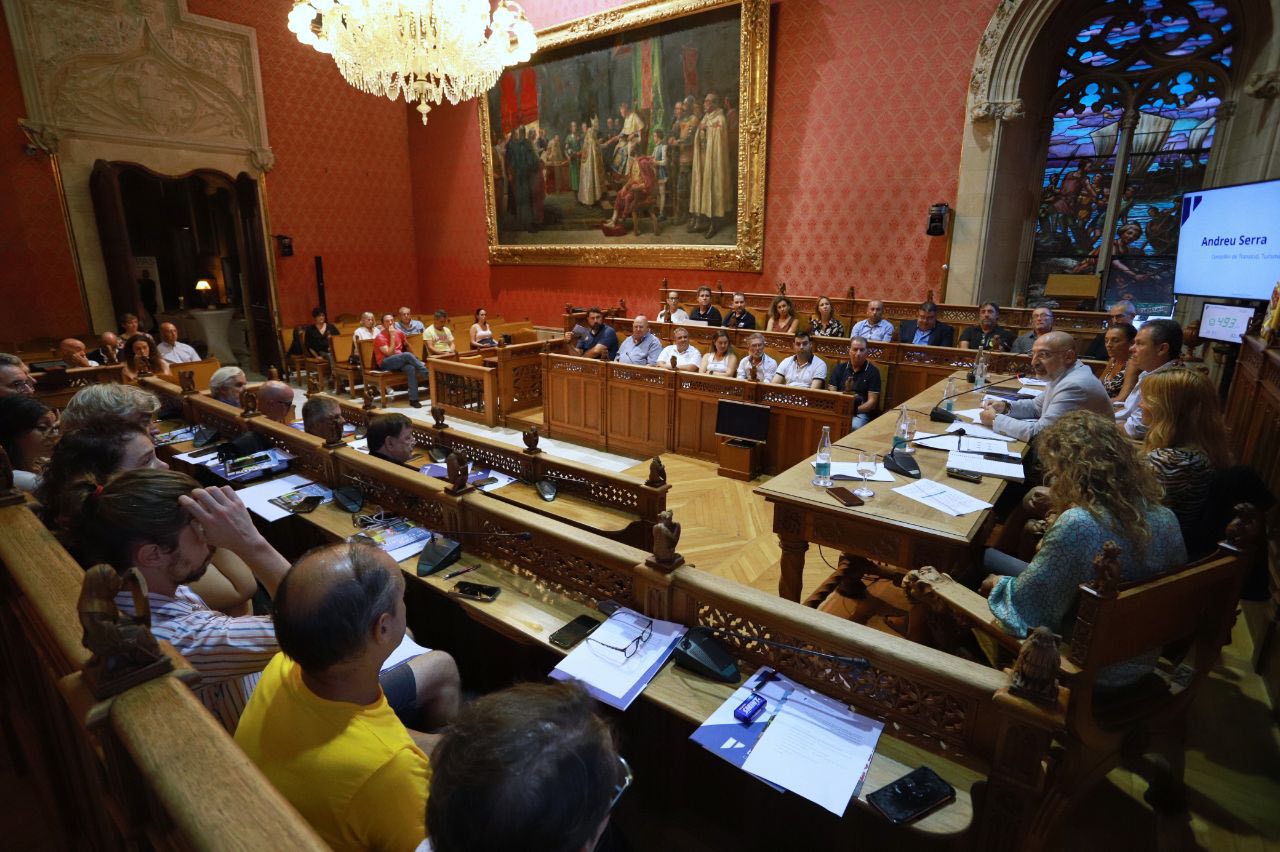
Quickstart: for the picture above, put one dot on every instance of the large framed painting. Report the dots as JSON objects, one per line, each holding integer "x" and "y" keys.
{"x": 634, "y": 137}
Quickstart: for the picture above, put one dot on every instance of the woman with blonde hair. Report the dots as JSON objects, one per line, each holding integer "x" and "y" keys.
{"x": 1186, "y": 439}
{"x": 1102, "y": 491}
{"x": 823, "y": 323}
{"x": 720, "y": 358}
{"x": 782, "y": 316}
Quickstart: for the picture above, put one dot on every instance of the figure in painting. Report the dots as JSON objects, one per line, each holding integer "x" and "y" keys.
{"x": 591, "y": 175}
{"x": 660, "y": 165}
{"x": 642, "y": 179}
{"x": 630, "y": 137}
{"x": 711, "y": 191}
{"x": 522, "y": 171}
{"x": 555, "y": 166}
{"x": 573, "y": 151}
{"x": 686, "y": 125}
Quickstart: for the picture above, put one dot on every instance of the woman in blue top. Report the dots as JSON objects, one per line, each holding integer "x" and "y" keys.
{"x": 1103, "y": 492}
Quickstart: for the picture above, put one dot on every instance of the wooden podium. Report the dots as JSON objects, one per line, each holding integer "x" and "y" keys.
{"x": 739, "y": 459}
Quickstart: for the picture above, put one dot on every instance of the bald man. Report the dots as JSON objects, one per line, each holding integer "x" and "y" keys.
{"x": 73, "y": 354}
{"x": 172, "y": 349}
{"x": 319, "y": 725}
{"x": 275, "y": 400}
{"x": 108, "y": 351}
{"x": 1072, "y": 387}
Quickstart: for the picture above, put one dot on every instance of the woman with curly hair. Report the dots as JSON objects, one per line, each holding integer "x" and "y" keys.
{"x": 138, "y": 348}
{"x": 1103, "y": 491}
{"x": 782, "y": 316}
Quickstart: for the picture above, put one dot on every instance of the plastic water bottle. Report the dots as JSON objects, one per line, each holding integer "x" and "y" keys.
{"x": 822, "y": 468}
{"x": 902, "y": 431}
{"x": 980, "y": 369}
{"x": 948, "y": 395}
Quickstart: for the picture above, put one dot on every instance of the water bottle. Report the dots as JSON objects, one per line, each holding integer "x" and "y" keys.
{"x": 980, "y": 369}
{"x": 822, "y": 469}
{"x": 948, "y": 395}
{"x": 902, "y": 431}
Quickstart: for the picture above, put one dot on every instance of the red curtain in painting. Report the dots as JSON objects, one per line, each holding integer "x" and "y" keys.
{"x": 691, "y": 71}
{"x": 528, "y": 111}
{"x": 507, "y": 101}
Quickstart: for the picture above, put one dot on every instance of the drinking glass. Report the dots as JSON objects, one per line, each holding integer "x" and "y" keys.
{"x": 866, "y": 467}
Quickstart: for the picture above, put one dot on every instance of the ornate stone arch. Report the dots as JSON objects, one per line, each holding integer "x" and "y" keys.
{"x": 1003, "y": 132}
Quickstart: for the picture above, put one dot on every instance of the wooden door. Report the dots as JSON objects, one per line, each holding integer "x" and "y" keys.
{"x": 113, "y": 233}
{"x": 258, "y": 306}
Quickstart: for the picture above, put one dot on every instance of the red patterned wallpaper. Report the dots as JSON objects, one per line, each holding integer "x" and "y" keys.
{"x": 866, "y": 115}
{"x": 35, "y": 257}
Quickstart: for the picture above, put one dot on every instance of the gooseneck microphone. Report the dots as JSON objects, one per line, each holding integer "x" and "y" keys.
{"x": 941, "y": 415}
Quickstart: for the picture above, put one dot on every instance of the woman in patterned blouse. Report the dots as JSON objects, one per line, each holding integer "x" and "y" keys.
{"x": 824, "y": 322}
{"x": 1104, "y": 492}
{"x": 1186, "y": 439}
{"x": 1118, "y": 339}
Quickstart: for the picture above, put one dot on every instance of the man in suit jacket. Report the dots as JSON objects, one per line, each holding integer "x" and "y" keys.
{"x": 925, "y": 328}
{"x": 1072, "y": 387}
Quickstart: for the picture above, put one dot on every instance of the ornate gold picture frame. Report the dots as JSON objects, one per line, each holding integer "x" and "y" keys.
{"x": 614, "y": 206}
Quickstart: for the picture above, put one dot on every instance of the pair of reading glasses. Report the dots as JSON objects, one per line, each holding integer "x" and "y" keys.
{"x": 629, "y": 650}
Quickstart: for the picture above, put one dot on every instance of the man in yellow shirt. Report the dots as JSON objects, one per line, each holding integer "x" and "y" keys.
{"x": 318, "y": 725}
{"x": 438, "y": 336}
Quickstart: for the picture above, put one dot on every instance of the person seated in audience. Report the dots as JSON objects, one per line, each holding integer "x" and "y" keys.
{"x": 321, "y": 413}
{"x": 129, "y": 326}
{"x": 315, "y": 338}
{"x": 1117, "y": 378}
{"x": 782, "y": 316}
{"x": 106, "y": 405}
{"x": 875, "y": 327}
{"x": 73, "y": 354}
{"x": 538, "y": 760}
{"x": 275, "y": 401}
{"x": 1156, "y": 346}
{"x": 1103, "y": 492}
{"x": 172, "y": 349}
{"x": 988, "y": 333}
{"x": 757, "y": 360}
{"x": 1041, "y": 323}
{"x": 705, "y": 311}
{"x": 600, "y": 340}
{"x": 108, "y": 351}
{"x": 107, "y": 447}
{"x": 801, "y": 370}
{"x": 670, "y": 310}
{"x": 1121, "y": 312}
{"x": 720, "y": 358}
{"x": 925, "y": 330}
{"x": 641, "y": 347}
{"x": 683, "y": 355}
{"x": 1072, "y": 387}
{"x": 165, "y": 525}
{"x": 140, "y": 350}
{"x": 367, "y": 330}
{"x": 1186, "y": 440}
{"x": 408, "y": 324}
{"x": 739, "y": 317}
{"x": 226, "y": 384}
{"x": 390, "y": 437}
{"x": 28, "y": 431}
{"x": 481, "y": 334}
{"x": 390, "y": 353}
{"x": 438, "y": 336}
{"x": 823, "y": 323}
{"x": 322, "y": 724}
{"x": 799, "y": 342}
{"x": 859, "y": 377}
{"x": 15, "y": 380}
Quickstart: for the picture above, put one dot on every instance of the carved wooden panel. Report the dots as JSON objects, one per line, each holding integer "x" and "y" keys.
{"x": 579, "y": 577}
{"x": 574, "y": 402}
{"x": 640, "y": 409}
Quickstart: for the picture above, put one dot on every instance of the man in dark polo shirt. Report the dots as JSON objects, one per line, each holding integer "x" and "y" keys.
{"x": 988, "y": 333}
{"x": 859, "y": 377}
{"x": 739, "y": 317}
{"x": 390, "y": 438}
{"x": 706, "y": 312}
{"x": 597, "y": 340}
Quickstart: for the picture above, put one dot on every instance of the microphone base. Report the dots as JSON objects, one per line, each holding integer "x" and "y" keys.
{"x": 439, "y": 554}
{"x": 941, "y": 415}
{"x": 900, "y": 462}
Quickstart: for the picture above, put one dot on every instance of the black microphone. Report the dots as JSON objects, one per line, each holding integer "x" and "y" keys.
{"x": 941, "y": 415}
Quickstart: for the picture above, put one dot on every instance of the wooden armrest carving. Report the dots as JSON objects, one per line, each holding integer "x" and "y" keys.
{"x": 938, "y": 592}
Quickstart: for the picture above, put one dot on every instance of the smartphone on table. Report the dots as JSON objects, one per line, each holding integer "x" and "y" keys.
{"x": 574, "y": 632}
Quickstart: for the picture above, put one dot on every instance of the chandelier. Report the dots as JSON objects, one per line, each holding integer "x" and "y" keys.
{"x": 426, "y": 50}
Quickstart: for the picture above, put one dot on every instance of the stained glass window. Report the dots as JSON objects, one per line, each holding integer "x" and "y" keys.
{"x": 1137, "y": 91}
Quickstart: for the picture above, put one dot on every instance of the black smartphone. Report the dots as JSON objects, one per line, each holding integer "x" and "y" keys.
{"x": 476, "y": 591}
{"x": 306, "y": 504}
{"x": 966, "y": 475}
{"x": 204, "y": 436}
{"x": 845, "y": 496}
{"x": 574, "y": 632}
{"x": 912, "y": 796}
{"x": 237, "y": 465}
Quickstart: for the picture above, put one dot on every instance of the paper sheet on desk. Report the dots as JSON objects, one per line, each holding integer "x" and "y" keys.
{"x": 970, "y": 413}
{"x": 944, "y": 498}
{"x": 977, "y": 430}
{"x": 439, "y": 471}
{"x": 961, "y": 443}
{"x": 257, "y": 498}
{"x": 604, "y": 673}
{"x": 1011, "y": 471}
{"x": 817, "y": 748}
{"x": 848, "y": 472}
{"x": 1033, "y": 383}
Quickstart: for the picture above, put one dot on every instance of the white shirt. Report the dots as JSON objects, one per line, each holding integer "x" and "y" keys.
{"x": 178, "y": 353}
{"x": 802, "y": 377}
{"x": 363, "y": 333}
{"x": 1129, "y": 416}
{"x": 764, "y": 370}
{"x": 678, "y": 315}
{"x": 881, "y": 331}
{"x": 688, "y": 356}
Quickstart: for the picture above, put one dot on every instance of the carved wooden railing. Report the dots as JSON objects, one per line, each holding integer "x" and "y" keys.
{"x": 207, "y": 411}
{"x": 519, "y": 368}
{"x": 310, "y": 456}
{"x": 56, "y": 387}
{"x": 153, "y": 768}
{"x": 464, "y": 390}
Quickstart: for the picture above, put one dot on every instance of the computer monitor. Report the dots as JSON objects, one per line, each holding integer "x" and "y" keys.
{"x": 1227, "y": 323}
{"x": 744, "y": 421}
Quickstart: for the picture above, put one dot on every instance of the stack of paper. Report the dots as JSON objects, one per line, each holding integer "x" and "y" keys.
{"x": 849, "y": 471}
{"x": 977, "y": 430}
{"x": 944, "y": 498}
{"x": 960, "y": 443}
{"x": 1011, "y": 471}
{"x": 605, "y": 670}
{"x": 268, "y": 500}
{"x": 802, "y": 741}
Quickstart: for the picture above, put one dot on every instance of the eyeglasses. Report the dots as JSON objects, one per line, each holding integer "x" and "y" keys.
{"x": 629, "y": 650}
{"x": 622, "y": 786}
{"x": 22, "y": 383}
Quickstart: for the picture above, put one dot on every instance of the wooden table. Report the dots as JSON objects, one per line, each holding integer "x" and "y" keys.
{"x": 890, "y": 528}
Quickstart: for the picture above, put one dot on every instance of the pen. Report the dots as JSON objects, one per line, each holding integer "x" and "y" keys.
{"x": 459, "y": 572}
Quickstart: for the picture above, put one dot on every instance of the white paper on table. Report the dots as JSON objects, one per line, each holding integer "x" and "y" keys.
{"x": 1011, "y": 471}
{"x": 205, "y": 456}
{"x": 413, "y": 548}
{"x": 977, "y": 430}
{"x": 1030, "y": 393}
{"x": 360, "y": 444}
{"x": 971, "y": 413}
{"x": 944, "y": 498}
{"x": 849, "y": 471}
{"x": 1034, "y": 383}
{"x": 604, "y": 673}
{"x": 257, "y": 498}
{"x": 961, "y": 443}
{"x": 406, "y": 650}
{"x": 816, "y": 748}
